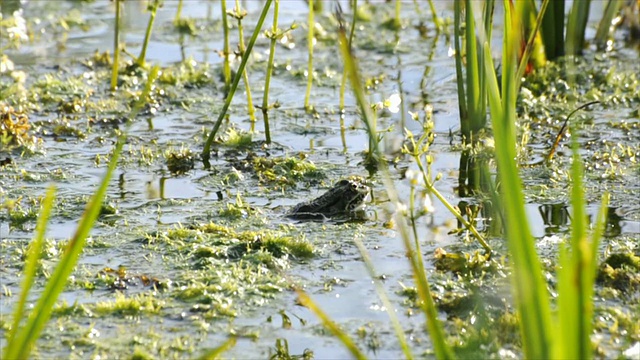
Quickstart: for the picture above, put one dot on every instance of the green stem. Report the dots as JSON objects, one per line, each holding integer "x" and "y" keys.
{"x": 226, "y": 67}
{"x": 245, "y": 74}
{"x": 310, "y": 40}
{"x": 272, "y": 51}
{"x": 178, "y": 11}
{"x": 343, "y": 84}
{"x": 153, "y": 9}
{"x": 243, "y": 63}
{"x": 116, "y": 48}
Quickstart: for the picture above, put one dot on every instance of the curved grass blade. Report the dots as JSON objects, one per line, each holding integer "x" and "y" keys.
{"x": 530, "y": 290}
{"x": 306, "y": 301}
{"x": 441, "y": 348}
{"x": 385, "y": 300}
{"x": 563, "y": 128}
{"x": 217, "y": 352}
{"x": 31, "y": 263}
{"x": 25, "y": 337}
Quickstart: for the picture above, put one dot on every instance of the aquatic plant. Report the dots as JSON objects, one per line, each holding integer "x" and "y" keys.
{"x": 226, "y": 67}
{"x": 236, "y": 80}
{"x": 116, "y": 46}
{"x": 238, "y": 13}
{"x": 540, "y": 338}
{"x": 310, "y": 43}
{"x": 152, "y": 7}
{"x": 414, "y": 254}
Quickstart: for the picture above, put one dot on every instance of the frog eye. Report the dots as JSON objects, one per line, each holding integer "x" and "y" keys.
{"x": 343, "y": 182}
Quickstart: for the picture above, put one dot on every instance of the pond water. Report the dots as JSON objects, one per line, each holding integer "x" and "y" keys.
{"x": 245, "y": 297}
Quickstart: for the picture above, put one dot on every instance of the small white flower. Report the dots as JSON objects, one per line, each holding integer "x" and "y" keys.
{"x": 427, "y": 204}
{"x": 393, "y": 103}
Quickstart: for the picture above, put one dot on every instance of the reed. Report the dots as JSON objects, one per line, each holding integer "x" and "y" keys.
{"x": 414, "y": 255}
{"x": 152, "y": 7}
{"x": 239, "y": 14}
{"x": 273, "y": 36}
{"x": 178, "y": 12}
{"x": 226, "y": 67}
{"x": 116, "y": 47}
{"x": 565, "y": 335}
{"x": 552, "y": 30}
{"x": 472, "y": 94}
{"x": 310, "y": 43}
{"x": 603, "y": 33}
{"x": 236, "y": 80}
{"x": 576, "y": 26}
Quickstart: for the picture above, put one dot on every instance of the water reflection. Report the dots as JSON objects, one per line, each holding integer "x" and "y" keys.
{"x": 557, "y": 219}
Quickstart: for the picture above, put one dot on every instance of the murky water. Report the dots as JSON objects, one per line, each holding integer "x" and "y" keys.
{"x": 149, "y": 198}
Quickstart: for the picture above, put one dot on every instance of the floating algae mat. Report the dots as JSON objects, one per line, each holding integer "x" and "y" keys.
{"x": 187, "y": 254}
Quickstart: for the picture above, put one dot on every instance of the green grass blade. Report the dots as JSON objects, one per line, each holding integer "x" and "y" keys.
{"x": 530, "y": 43}
{"x": 462, "y": 97}
{"x": 604, "y": 28}
{"x": 116, "y": 46}
{"x": 236, "y": 80}
{"x": 25, "y": 338}
{"x": 306, "y": 301}
{"x": 552, "y": 30}
{"x": 152, "y": 7}
{"x": 441, "y": 348}
{"x": 529, "y": 287}
{"x": 217, "y": 352}
{"x": 310, "y": 41}
{"x": 474, "y": 92}
{"x": 576, "y": 26}
{"x": 31, "y": 263}
{"x": 226, "y": 67}
{"x": 577, "y": 272}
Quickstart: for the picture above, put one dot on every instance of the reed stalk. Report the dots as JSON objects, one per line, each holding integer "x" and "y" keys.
{"x": 236, "y": 80}
{"x": 226, "y": 67}
{"x": 178, "y": 12}
{"x": 552, "y": 30}
{"x": 441, "y": 348}
{"x": 576, "y": 26}
{"x": 239, "y": 14}
{"x": 272, "y": 50}
{"x": 604, "y": 28}
{"x": 116, "y": 47}
{"x": 310, "y": 43}
{"x": 152, "y": 7}
{"x": 343, "y": 82}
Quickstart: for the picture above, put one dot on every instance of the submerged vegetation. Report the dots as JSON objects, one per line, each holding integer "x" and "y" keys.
{"x": 185, "y": 233}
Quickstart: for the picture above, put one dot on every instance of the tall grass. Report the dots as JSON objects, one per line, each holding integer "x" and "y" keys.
{"x": 310, "y": 44}
{"x": 576, "y": 26}
{"x": 605, "y": 26}
{"x": 552, "y": 30}
{"x": 472, "y": 95}
{"x": 152, "y": 7}
{"x": 545, "y": 333}
{"x": 226, "y": 66}
{"x": 116, "y": 46}
{"x": 236, "y": 80}
{"x": 239, "y": 14}
{"x": 565, "y": 335}
{"x": 413, "y": 252}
